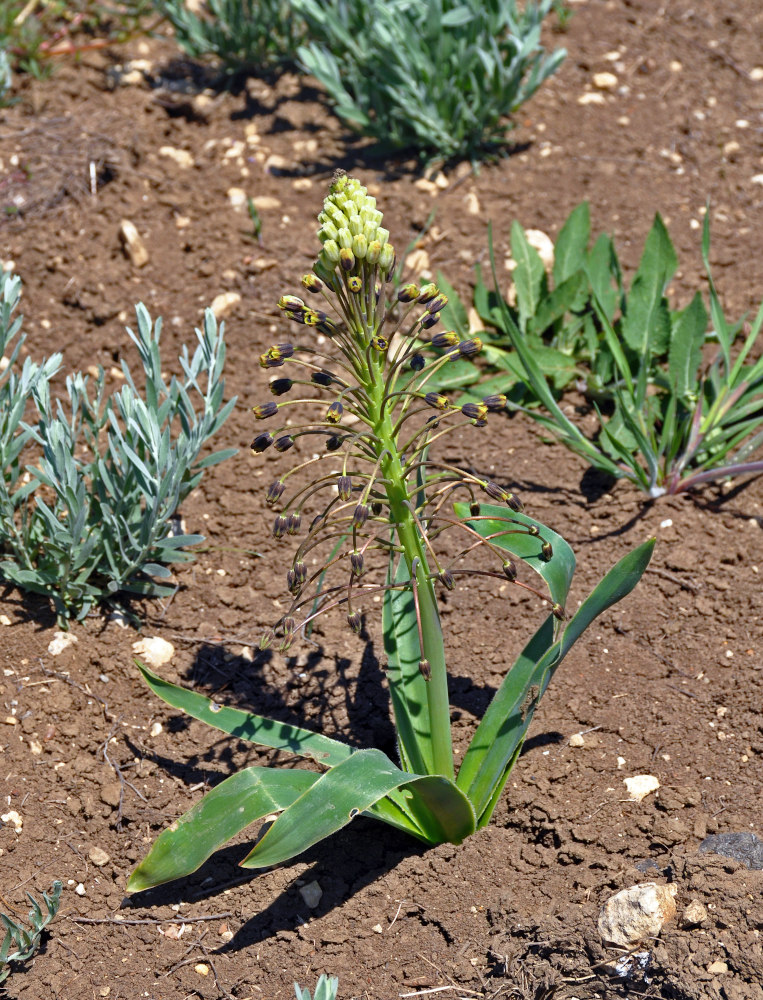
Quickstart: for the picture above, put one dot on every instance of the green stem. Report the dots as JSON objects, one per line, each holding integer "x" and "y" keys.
{"x": 415, "y": 553}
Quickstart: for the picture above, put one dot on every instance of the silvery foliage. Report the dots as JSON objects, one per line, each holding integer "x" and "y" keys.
{"x": 19, "y": 943}
{"x": 88, "y": 491}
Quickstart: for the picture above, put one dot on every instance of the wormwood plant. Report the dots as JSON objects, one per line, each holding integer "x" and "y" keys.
{"x": 88, "y": 492}
{"x": 383, "y": 517}
{"x": 325, "y": 989}
{"x": 20, "y": 943}
{"x": 438, "y": 76}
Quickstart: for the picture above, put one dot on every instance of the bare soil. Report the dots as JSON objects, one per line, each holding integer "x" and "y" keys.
{"x": 667, "y": 683}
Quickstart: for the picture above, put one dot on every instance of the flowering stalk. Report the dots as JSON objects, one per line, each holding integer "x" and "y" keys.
{"x": 380, "y": 509}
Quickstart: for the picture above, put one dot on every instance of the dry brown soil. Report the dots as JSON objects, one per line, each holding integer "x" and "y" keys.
{"x": 667, "y": 683}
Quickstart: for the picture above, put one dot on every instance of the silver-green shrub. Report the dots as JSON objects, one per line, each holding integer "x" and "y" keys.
{"x": 88, "y": 490}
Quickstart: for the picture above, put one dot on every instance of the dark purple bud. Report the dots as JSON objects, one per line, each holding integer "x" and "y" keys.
{"x": 264, "y": 410}
{"x": 360, "y": 515}
{"x": 327, "y": 326}
{"x": 334, "y": 412}
{"x": 446, "y": 339}
{"x": 495, "y": 402}
{"x": 312, "y": 283}
{"x": 296, "y": 578}
{"x": 446, "y": 579}
{"x": 275, "y": 492}
{"x": 279, "y": 386}
{"x": 437, "y": 400}
{"x": 430, "y": 320}
{"x": 354, "y": 621}
{"x": 494, "y": 491}
{"x": 322, "y": 378}
{"x": 276, "y": 355}
{"x": 292, "y": 303}
{"x": 376, "y": 508}
{"x": 468, "y": 348}
{"x": 476, "y": 411}
{"x": 344, "y": 486}
{"x": 291, "y": 583}
{"x": 417, "y": 362}
{"x": 546, "y": 552}
{"x": 333, "y": 443}
{"x": 425, "y": 669}
{"x": 558, "y": 612}
{"x": 356, "y": 561}
{"x": 346, "y": 259}
{"x": 438, "y": 302}
{"x": 510, "y": 570}
{"x": 355, "y": 284}
{"x": 279, "y": 526}
{"x": 408, "y": 293}
{"x": 474, "y": 508}
{"x": 515, "y": 503}
{"x": 261, "y": 442}
{"x": 293, "y": 523}
{"x": 379, "y": 343}
{"x": 283, "y": 443}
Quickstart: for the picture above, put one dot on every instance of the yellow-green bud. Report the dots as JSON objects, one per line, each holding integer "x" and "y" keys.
{"x": 327, "y": 231}
{"x": 344, "y": 239}
{"x": 355, "y": 225}
{"x": 360, "y": 246}
{"x": 374, "y": 251}
{"x": 386, "y": 256}
{"x": 331, "y": 252}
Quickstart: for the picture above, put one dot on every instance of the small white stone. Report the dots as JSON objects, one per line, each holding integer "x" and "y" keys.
{"x": 311, "y": 893}
{"x": 620, "y": 763}
{"x": 543, "y": 243}
{"x": 224, "y": 303}
{"x": 472, "y": 203}
{"x": 605, "y": 81}
{"x": 640, "y": 785}
{"x": 717, "y": 968}
{"x": 60, "y": 642}
{"x": 79, "y": 889}
{"x": 154, "y": 650}
{"x": 265, "y": 202}
{"x": 667, "y": 523}
{"x": 377, "y": 929}
{"x": 237, "y": 198}
{"x": 694, "y": 913}
{"x": 637, "y": 913}
{"x": 202, "y": 969}
{"x": 576, "y": 740}
{"x": 591, "y": 98}
{"x": 181, "y": 157}
{"x": 757, "y": 179}
{"x": 5, "y": 620}
{"x": 756, "y": 73}
{"x": 133, "y": 245}
{"x": 13, "y": 819}
{"x": 156, "y": 729}
{"x": 98, "y": 856}
{"x": 676, "y": 66}
{"x": 742, "y": 123}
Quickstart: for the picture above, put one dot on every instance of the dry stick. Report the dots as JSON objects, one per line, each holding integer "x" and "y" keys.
{"x": 683, "y": 584}
{"x": 150, "y": 920}
{"x": 122, "y": 780}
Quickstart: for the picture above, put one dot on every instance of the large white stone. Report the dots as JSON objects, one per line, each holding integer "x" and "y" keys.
{"x": 636, "y": 914}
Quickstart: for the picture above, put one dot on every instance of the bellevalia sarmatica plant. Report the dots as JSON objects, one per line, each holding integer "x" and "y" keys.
{"x": 386, "y": 520}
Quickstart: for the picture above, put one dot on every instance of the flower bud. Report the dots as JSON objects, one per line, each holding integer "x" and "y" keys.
{"x": 261, "y": 442}
{"x": 283, "y": 443}
{"x": 293, "y": 523}
{"x": 468, "y": 348}
{"x": 474, "y": 509}
{"x": 425, "y": 669}
{"x": 279, "y": 386}
{"x": 558, "y": 612}
{"x": 276, "y": 355}
{"x": 360, "y": 246}
{"x": 476, "y": 411}
{"x": 266, "y": 640}
{"x": 376, "y": 508}
{"x": 275, "y": 492}
{"x": 428, "y": 292}
{"x": 355, "y": 224}
{"x": 355, "y": 284}
{"x": 355, "y": 622}
{"x": 497, "y": 401}
{"x": 446, "y": 579}
{"x": 289, "y": 627}
{"x": 334, "y": 412}
{"x": 546, "y": 552}
{"x": 344, "y": 487}
{"x": 330, "y": 252}
{"x": 347, "y": 259}
{"x": 344, "y": 239}
{"x": 360, "y": 515}
{"x": 374, "y": 251}
{"x": 356, "y": 561}
{"x": 328, "y": 230}
{"x": 291, "y": 302}
{"x": 429, "y": 320}
{"x": 322, "y": 378}
{"x": 448, "y": 338}
{"x": 408, "y": 293}
{"x": 438, "y": 302}
{"x": 437, "y": 400}
{"x": 417, "y": 362}
{"x": 333, "y": 443}
{"x": 379, "y": 343}
{"x": 279, "y": 526}
{"x": 264, "y": 410}
{"x": 386, "y": 256}
{"x": 509, "y": 570}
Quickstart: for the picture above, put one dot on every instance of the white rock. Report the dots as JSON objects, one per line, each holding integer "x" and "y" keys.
{"x": 133, "y": 245}
{"x": 311, "y": 893}
{"x": 98, "y": 856}
{"x": 154, "y": 650}
{"x": 605, "y": 81}
{"x": 756, "y": 73}
{"x": 757, "y": 179}
{"x": 60, "y": 642}
{"x": 156, "y": 729}
{"x": 418, "y": 261}
{"x": 13, "y": 819}
{"x": 694, "y": 913}
{"x": 717, "y": 968}
{"x": 543, "y": 243}
{"x": 576, "y": 740}
{"x": 472, "y": 203}
{"x": 181, "y": 157}
{"x": 224, "y": 303}
{"x": 377, "y": 929}
{"x": 79, "y": 889}
{"x": 5, "y": 620}
{"x": 636, "y": 914}
{"x": 237, "y": 198}
{"x": 640, "y": 785}
{"x": 591, "y": 98}
{"x": 265, "y": 202}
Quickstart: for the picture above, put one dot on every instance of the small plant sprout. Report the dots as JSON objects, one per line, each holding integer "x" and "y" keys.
{"x": 255, "y": 219}
{"x": 20, "y": 943}
{"x": 325, "y": 989}
{"x": 375, "y": 511}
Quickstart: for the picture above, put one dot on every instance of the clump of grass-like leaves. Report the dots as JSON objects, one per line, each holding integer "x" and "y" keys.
{"x": 379, "y": 512}
{"x": 19, "y": 943}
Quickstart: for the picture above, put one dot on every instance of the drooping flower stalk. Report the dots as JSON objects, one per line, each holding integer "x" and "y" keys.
{"x": 377, "y": 356}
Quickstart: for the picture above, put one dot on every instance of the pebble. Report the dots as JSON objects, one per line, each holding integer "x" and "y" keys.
{"x": 181, "y": 157}
{"x": 576, "y": 740}
{"x": 301, "y": 183}
{"x": 637, "y": 913}
{"x": 5, "y": 620}
{"x": 79, "y": 889}
{"x": 591, "y": 98}
{"x": 13, "y": 819}
{"x": 311, "y": 893}
{"x": 224, "y": 303}
{"x": 264, "y": 202}
{"x": 110, "y": 793}
{"x": 757, "y": 179}
{"x": 377, "y": 929}
{"x": 744, "y": 847}
{"x": 543, "y": 243}
{"x": 237, "y": 198}
{"x": 154, "y": 650}
{"x": 98, "y": 856}
{"x": 605, "y": 81}
{"x": 472, "y": 203}
{"x": 717, "y": 968}
{"x": 693, "y": 915}
{"x": 132, "y": 244}
{"x": 640, "y": 785}
{"x": 202, "y": 969}
{"x": 756, "y": 73}
{"x": 60, "y": 642}
{"x": 156, "y": 729}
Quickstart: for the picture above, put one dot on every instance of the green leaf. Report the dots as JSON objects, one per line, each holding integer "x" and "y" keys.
{"x": 571, "y": 244}
{"x": 685, "y": 351}
{"x": 528, "y": 276}
{"x": 557, "y": 572}
{"x": 505, "y": 723}
{"x": 646, "y": 324}
{"x": 221, "y": 814}
{"x": 454, "y": 315}
{"x": 245, "y": 725}
{"x": 351, "y": 788}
